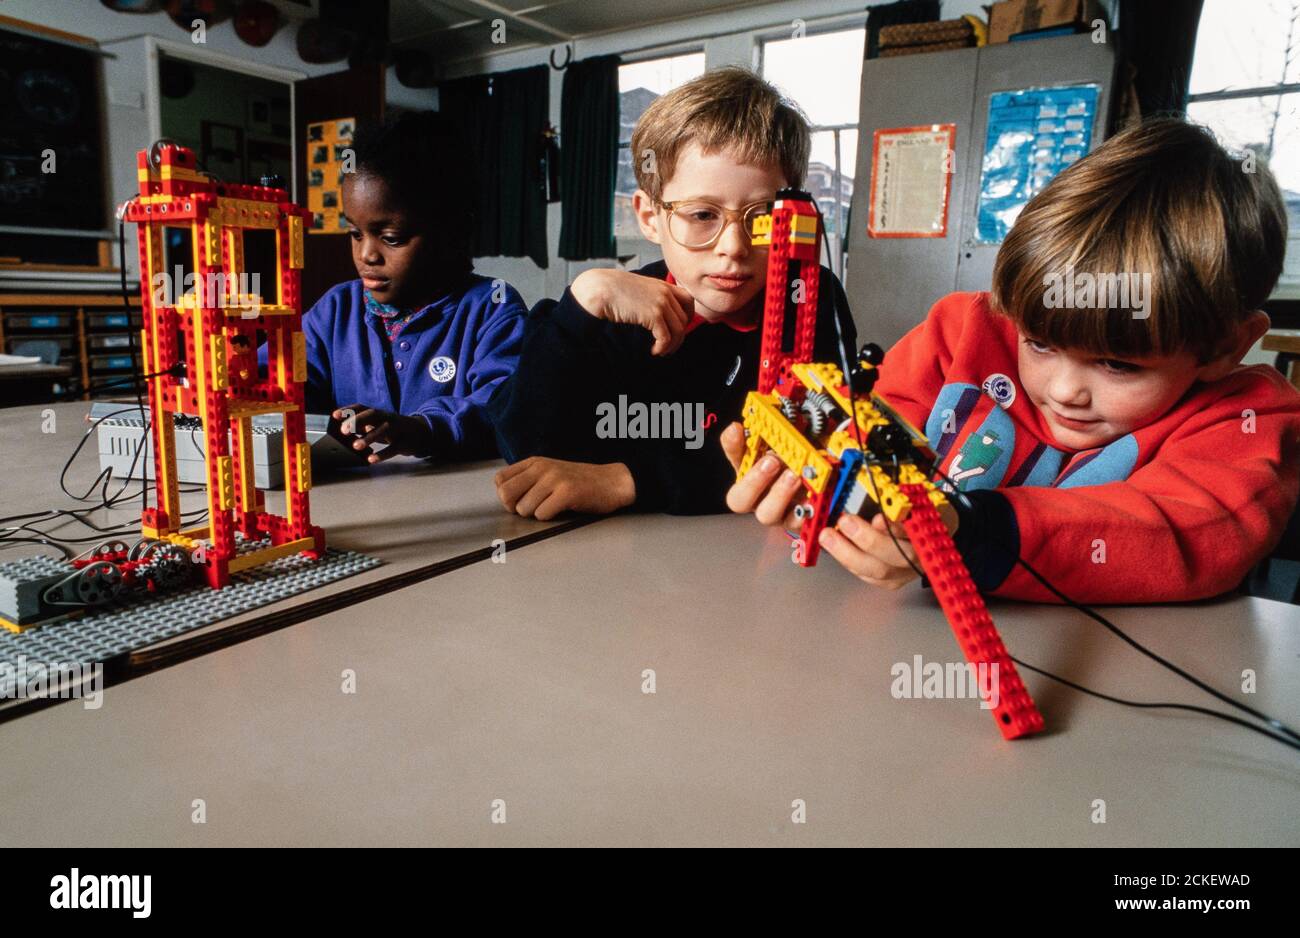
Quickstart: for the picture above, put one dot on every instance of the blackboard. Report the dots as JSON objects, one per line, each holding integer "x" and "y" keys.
{"x": 50, "y": 104}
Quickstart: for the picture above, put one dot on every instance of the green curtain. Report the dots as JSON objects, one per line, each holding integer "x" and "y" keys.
{"x": 589, "y": 123}
{"x": 503, "y": 116}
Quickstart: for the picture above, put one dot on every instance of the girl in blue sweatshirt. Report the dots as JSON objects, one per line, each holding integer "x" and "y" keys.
{"x": 406, "y": 356}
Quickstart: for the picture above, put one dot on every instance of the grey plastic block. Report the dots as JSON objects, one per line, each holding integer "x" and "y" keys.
{"x": 119, "y": 438}
{"x": 21, "y": 583}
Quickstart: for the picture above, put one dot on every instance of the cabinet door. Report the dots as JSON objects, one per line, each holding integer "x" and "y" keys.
{"x": 1014, "y": 66}
{"x": 892, "y": 282}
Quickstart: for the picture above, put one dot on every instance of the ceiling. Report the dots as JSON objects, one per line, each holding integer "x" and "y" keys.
{"x": 451, "y": 30}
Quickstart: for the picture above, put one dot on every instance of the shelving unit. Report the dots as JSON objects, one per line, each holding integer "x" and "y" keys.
{"x": 93, "y": 333}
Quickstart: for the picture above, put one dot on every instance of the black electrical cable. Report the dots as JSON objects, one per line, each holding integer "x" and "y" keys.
{"x": 12, "y": 541}
{"x": 135, "y": 381}
{"x": 1163, "y": 662}
{"x": 1159, "y": 705}
{"x": 78, "y": 515}
{"x": 106, "y": 474}
{"x": 102, "y": 480}
{"x": 1284, "y": 730}
{"x": 9, "y": 535}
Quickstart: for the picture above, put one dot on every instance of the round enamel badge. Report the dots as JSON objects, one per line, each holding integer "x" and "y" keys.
{"x": 442, "y": 369}
{"x": 1001, "y": 389}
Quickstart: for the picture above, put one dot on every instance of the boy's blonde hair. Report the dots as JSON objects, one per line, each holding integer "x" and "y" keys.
{"x": 729, "y": 109}
{"x": 1163, "y": 199}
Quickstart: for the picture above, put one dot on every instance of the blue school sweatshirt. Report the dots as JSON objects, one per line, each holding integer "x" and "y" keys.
{"x": 443, "y": 365}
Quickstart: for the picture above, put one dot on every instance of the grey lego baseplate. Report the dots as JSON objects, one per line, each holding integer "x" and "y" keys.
{"x": 98, "y": 636}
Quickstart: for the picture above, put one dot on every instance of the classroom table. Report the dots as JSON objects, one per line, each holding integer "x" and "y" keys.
{"x": 508, "y": 703}
{"x": 420, "y": 519}
{"x": 25, "y": 370}
{"x": 25, "y": 383}
{"x": 1288, "y": 341}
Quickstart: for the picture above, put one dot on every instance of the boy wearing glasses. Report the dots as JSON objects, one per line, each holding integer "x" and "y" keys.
{"x": 625, "y": 384}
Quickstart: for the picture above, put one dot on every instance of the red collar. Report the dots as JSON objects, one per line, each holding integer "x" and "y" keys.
{"x": 697, "y": 320}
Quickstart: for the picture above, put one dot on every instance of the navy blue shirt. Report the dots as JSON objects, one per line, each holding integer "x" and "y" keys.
{"x": 574, "y": 365}
{"x": 443, "y": 365}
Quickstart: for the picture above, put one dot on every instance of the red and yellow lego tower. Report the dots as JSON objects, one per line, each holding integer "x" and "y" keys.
{"x": 850, "y": 450}
{"x": 201, "y": 359}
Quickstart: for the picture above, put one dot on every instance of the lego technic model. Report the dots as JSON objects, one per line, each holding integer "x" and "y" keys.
{"x": 852, "y": 451}
{"x": 200, "y": 356}
{"x": 200, "y": 361}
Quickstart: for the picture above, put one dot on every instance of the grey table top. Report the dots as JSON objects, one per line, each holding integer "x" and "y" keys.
{"x": 405, "y": 512}
{"x": 34, "y": 370}
{"x": 520, "y": 688}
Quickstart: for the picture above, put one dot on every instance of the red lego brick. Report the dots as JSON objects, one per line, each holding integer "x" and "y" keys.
{"x": 1016, "y": 714}
{"x": 810, "y": 531}
{"x": 787, "y": 259}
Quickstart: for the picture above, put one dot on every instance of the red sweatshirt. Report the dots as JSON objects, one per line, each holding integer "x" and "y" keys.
{"x": 1180, "y": 509}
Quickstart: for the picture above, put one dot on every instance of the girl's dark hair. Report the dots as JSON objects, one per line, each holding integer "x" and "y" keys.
{"x": 423, "y": 158}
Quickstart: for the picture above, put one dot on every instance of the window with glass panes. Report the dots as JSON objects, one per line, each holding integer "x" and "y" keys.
{"x": 1245, "y": 86}
{"x": 639, "y": 83}
{"x": 799, "y": 66}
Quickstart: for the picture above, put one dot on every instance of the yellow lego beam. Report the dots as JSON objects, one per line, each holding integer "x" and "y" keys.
{"x": 263, "y": 555}
{"x": 246, "y": 213}
{"x": 302, "y": 465}
{"x": 220, "y": 374}
{"x": 295, "y": 242}
{"x": 764, "y": 419}
{"x": 242, "y": 408}
{"x": 251, "y": 301}
{"x": 226, "y": 482}
{"x": 243, "y": 440}
{"x": 168, "y": 172}
{"x": 299, "y": 357}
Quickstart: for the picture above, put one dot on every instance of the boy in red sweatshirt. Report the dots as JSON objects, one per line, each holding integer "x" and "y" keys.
{"x": 1091, "y": 408}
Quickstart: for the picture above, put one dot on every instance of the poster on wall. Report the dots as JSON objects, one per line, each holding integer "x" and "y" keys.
{"x": 1033, "y": 134}
{"x": 911, "y": 178}
{"x": 326, "y": 143}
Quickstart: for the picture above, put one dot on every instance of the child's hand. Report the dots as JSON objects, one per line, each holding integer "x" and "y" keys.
{"x": 541, "y": 488}
{"x": 363, "y": 426}
{"x": 769, "y": 490}
{"x": 865, "y": 549}
{"x": 862, "y": 547}
{"x": 619, "y": 296}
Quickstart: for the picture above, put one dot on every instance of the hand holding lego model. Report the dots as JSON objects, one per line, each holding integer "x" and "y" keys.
{"x": 663, "y": 308}
{"x": 362, "y": 426}
{"x": 542, "y": 488}
{"x": 862, "y": 547}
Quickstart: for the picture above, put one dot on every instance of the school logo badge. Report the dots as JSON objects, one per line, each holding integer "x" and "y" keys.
{"x": 1001, "y": 389}
{"x": 442, "y": 369}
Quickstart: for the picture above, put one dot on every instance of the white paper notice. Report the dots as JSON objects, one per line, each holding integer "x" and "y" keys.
{"x": 911, "y": 175}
